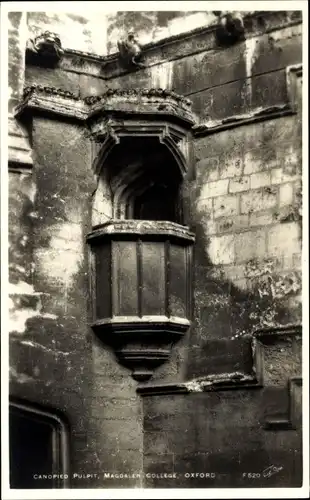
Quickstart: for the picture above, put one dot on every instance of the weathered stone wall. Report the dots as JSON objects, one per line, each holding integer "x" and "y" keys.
{"x": 216, "y": 439}
{"x": 55, "y": 361}
{"x": 243, "y": 201}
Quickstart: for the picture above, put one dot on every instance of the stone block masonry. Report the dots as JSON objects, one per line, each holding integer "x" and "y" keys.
{"x": 238, "y": 184}
{"x": 247, "y": 215}
{"x": 258, "y": 200}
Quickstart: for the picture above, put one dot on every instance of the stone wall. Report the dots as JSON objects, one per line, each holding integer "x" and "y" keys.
{"x": 243, "y": 199}
{"x": 216, "y": 439}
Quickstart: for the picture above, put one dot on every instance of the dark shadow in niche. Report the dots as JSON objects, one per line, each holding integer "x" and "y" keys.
{"x": 146, "y": 206}
{"x": 145, "y": 182}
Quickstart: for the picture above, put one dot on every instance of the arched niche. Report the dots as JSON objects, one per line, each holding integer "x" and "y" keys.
{"x": 140, "y": 180}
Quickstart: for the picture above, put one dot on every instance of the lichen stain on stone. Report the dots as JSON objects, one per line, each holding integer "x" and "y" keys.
{"x": 286, "y": 284}
{"x": 67, "y": 235}
{"x": 281, "y": 361}
{"x": 278, "y": 286}
{"x": 251, "y": 49}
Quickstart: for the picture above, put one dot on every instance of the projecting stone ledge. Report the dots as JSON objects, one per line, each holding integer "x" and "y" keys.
{"x": 154, "y": 101}
{"x": 161, "y": 229}
{"x": 285, "y": 341}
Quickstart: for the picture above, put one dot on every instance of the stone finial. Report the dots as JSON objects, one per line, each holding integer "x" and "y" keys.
{"x": 46, "y": 46}
{"x": 130, "y": 51}
{"x": 230, "y": 28}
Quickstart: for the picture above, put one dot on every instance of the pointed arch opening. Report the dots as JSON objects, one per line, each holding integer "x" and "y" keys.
{"x": 146, "y": 181}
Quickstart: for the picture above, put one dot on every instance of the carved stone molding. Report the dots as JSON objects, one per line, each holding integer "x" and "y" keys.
{"x": 148, "y": 93}
{"x": 155, "y": 102}
{"x": 255, "y": 116}
{"x": 210, "y": 383}
{"x": 109, "y": 132}
{"x": 140, "y": 228}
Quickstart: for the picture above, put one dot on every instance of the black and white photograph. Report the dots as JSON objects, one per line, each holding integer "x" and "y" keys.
{"x": 155, "y": 344}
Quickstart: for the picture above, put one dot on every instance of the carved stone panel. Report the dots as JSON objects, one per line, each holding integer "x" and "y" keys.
{"x": 142, "y": 299}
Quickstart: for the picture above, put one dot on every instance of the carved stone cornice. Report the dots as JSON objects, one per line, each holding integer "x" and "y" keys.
{"x": 148, "y": 93}
{"x": 156, "y": 102}
{"x": 50, "y": 100}
{"x": 227, "y": 382}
